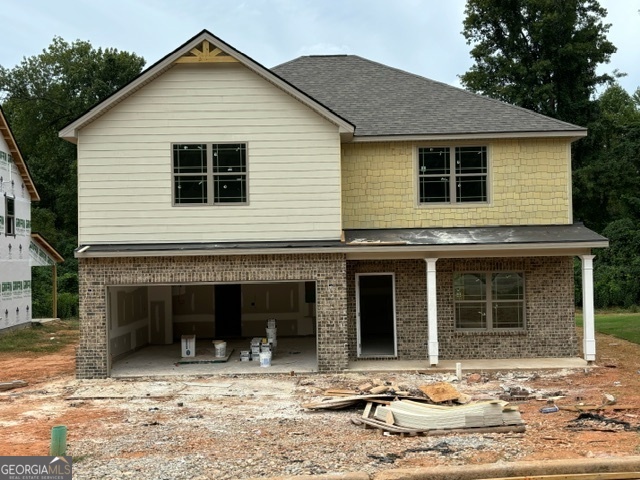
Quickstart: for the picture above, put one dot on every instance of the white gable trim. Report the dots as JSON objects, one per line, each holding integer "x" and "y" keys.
{"x": 70, "y": 132}
{"x": 14, "y": 150}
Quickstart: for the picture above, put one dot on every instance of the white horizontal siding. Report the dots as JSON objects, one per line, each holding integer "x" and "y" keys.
{"x": 124, "y": 162}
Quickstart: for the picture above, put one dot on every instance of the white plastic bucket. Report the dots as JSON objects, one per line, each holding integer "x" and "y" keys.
{"x": 221, "y": 349}
{"x": 265, "y": 359}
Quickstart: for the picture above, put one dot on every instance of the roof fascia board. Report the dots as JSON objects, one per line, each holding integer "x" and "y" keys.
{"x": 47, "y": 247}
{"x": 70, "y": 132}
{"x": 572, "y": 135}
{"x": 444, "y": 250}
{"x": 7, "y": 134}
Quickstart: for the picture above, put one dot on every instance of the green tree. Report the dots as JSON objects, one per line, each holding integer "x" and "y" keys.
{"x": 607, "y": 183}
{"x": 538, "y": 54}
{"x": 618, "y": 267}
{"x": 40, "y": 96}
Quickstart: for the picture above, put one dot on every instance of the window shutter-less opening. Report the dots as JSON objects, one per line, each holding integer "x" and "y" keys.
{"x": 209, "y": 174}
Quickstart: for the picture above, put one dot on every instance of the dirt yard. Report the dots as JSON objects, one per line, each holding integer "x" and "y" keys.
{"x": 234, "y": 427}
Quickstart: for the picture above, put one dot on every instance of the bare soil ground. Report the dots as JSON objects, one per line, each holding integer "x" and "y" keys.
{"x": 250, "y": 426}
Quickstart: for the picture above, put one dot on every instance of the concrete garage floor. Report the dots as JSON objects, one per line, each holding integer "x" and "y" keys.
{"x": 298, "y": 354}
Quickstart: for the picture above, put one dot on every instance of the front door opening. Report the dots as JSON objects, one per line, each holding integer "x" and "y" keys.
{"x": 376, "y": 315}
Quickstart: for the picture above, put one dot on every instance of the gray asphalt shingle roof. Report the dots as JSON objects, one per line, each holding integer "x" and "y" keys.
{"x": 381, "y": 100}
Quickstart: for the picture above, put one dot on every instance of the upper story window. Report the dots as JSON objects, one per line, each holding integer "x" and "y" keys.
{"x": 452, "y": 174}
{"x": 209, "y": 173}
{"x": 10, "y": 215}
{"x": 489, "y": 301}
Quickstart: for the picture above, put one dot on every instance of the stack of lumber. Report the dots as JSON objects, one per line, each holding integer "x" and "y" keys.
{"x": 351, "y": 401}
{"x": 422, "y": 417}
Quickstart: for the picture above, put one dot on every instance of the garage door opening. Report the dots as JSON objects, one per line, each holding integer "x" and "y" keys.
{"x": 146, "y": 325}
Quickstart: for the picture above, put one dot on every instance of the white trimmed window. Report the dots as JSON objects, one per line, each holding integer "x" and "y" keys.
{"x": 489, "y": 301}
{"x": 452, "y": 174}
{"x": 209, "y": 173}
{"x": 9, "y": 216}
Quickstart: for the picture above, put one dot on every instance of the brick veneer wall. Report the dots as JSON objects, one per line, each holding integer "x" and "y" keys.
{"x": 549, "y": 311}
{"x": 329, "y": 272}
{"x": 549, "y": 296}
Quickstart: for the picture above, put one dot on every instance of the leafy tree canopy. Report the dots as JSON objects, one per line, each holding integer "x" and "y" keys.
{"x": 538, "y": 54}
{"x": 46, "y": 92}
{"x": 616, "y": 276}
{"x": 607, "y": 184}
{"x": 40, "y": 96}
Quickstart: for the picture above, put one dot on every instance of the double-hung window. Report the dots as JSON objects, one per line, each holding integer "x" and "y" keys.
{"x": 489, "y": 301}
{"x": 452, "y": 174}
{"x": 10, "y": 215}
{"x": 209, "y": 173}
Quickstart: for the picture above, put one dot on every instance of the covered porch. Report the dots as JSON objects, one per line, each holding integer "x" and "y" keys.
{"x": 482, "y": 294}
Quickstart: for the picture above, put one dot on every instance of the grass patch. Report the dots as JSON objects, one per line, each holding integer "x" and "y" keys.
{"x": 620, "y": 325}
{"x": 46, "y": 338}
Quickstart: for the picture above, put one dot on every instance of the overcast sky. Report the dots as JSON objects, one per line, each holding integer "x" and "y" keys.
{"x": 420, "y": 36}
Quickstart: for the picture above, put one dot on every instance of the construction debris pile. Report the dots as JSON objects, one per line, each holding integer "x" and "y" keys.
{"x": 428, "y": 410}
{"x": 422, "y": 416}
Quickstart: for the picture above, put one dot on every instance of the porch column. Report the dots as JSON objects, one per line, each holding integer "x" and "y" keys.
{"x": 432, "y": 311}
{"x": 588, "y": 318}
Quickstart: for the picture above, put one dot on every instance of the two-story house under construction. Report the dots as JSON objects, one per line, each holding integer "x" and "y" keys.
{"x": 387, "y": 215}
{"x": 20, "y": 248}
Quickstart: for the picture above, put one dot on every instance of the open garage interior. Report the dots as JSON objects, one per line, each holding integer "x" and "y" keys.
{"x": 149, "y": 326}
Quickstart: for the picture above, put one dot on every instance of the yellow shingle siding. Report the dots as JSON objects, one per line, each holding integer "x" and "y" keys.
{"x": 529, "y": 184}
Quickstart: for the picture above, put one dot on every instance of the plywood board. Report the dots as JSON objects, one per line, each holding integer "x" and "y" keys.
{"x": 440, "y": 392}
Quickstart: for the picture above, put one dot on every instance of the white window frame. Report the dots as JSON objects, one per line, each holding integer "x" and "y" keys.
{"x": 210, "y": 175}
{"x": 452, "y": 176}
{"x": 489, "y": 302}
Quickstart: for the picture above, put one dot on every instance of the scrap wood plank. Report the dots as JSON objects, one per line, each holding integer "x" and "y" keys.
{"x": 577, "y": 476}
{"x": 507, "y": 429}
{"x": 379, "y": 389}
{"x": 336, "y": 392}
{"x": 372, "y": 422}
{"x": 586, "y": 408}
{"x": 440, "y": 392}
{"x": 121, "y": 397}
{"x": 4, "y": 386}
{"x": 366, "y": 414}
{"x": 345, "y": 402}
